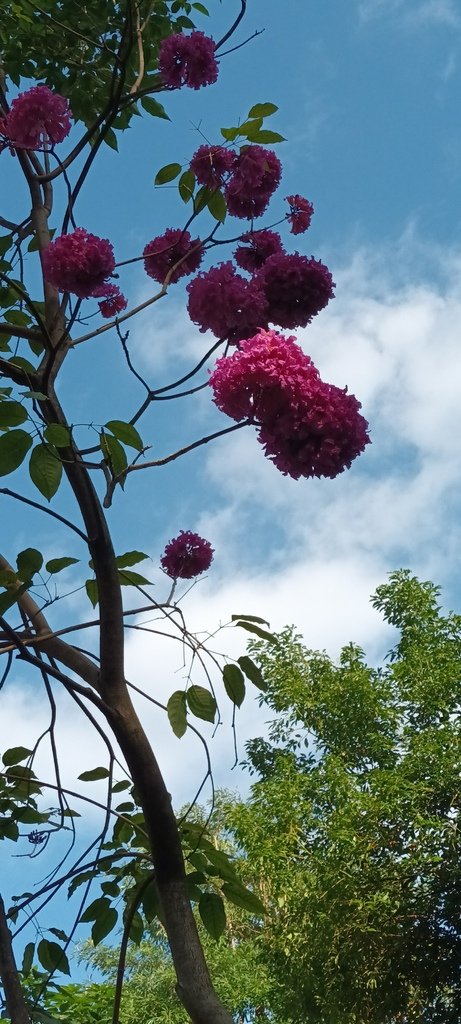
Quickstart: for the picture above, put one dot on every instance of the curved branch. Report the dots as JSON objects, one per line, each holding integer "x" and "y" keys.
{"x": 43, "y": 508}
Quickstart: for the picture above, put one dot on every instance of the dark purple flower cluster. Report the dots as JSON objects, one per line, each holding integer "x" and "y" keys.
{"x": 224, "y": 302}
{"x": 212, "y": 164}
{"x": 307, "y": 427}
{"x": 186, "y": 556}
{"x": 295, "y": 288}
{"x": 113, "y": 301}
{"x": 164, "y": 251}
{"x": 260, "y": 245}
{"x": 78, "y": 262}
{"x": 255, "y": 176}
{"x": 37, "y": 118}
{"x": 188, "y": 60}
{"x": 300, "y": 215}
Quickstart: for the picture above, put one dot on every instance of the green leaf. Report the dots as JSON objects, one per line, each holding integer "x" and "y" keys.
{"x": 128, "y": 578}
{"x": 130, "y": 558}
{"x": 29, "y": 562}
{"x": 23, "y": 364}
{"x": 234, "y": 684}
{"x": 137, "y": 928}
{"x": 13, "y": 449}
{"x": 91, "y": 588}
{"x": 15, "y": 755}
{"x": 92, "y": 776}
{"x": 58, "y": 564}
{"x": 229, "y": 134}
{"x": 262, "y": 633}
{"x": 213, "y": 914}
{"x": 118, "y": 787}
{"x": 52, "y": 957}
{"x": 177, "y": 712}
{"x": 186, "y": 185}
{"x": 264, "y": 135}
{"x": 154, "y": 108}
{"x": 97, "y": 907}
{"x": 252, "y": 672}
{"x": 17, "y": 317}
{"x": 9, "y": 829}
{"x": 217, "y": 206}
{"x": 201, "y": 199}
{"x": 263, "y": 110}
{"x": 126, "y": 433}
{"x": 167, "y": 173}
{"x": 111, "y": 140}
{"x": 12, "y": 414}
{"x": 27, "y": 959}
{"x": 242, "y": 897}
{"x": 103, "y": 925}
{"x": 6, "y": 242}
{"x": 201, "y": 9}
{"x": 58, "y": 435}
{"x": 45, "y": 470}
{"x": 250, "y": 618}
{"x": 201, "y": 703}
{"x": 58, "y": 932}
{"x": 113, "y": 453}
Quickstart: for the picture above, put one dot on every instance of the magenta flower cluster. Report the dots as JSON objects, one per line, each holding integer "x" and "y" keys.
{"x": 224, "y": 302}
{"x": 37, "y": 118}
{"x": 187, "y": 60}
{"x": 307, "y": 427}
{"x": 164, "y": 251}
{"x": 249, "y": 178}
{"x": 300, "y": 215}
{"x": 78, "y": 262}
{"x": 286, "y": 290}
{"x": 186, "y": 556}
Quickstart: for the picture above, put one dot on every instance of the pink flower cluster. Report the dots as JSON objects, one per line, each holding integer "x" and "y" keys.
{"x": 164, "y": 251}
{"x": 188, "y": 60}
{"x": 307, "y": 427}
{"x": 37, "y": 118}
{"x": 81, "y": 263}
{"x": 186, "y": 556}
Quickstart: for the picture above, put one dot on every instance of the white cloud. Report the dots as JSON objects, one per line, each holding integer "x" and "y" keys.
{"x": 412, "y": 12}
{"x": 312, "y": 552}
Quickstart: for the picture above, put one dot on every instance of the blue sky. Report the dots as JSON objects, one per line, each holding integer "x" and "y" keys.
{"x": 369, "y": 101}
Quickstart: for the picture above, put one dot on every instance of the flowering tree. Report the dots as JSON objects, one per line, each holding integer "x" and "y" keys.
{"x": 94, "y": 68}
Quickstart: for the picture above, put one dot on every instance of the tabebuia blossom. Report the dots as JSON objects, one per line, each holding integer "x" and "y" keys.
{"x": 113, "y": 301}
{"x": 36, "y": 118}
{"x": 212, "y": 164}
{"x": 263, "y": 379}
{"x": 164, "y": 251}
{"x": 261, "y": 245}
{"x": 224, "y": 302}
{"x": 188, "y": 60}
{"x": 254, "y": 179}
{"x": 296, "y": 288}
{"x": 186, "y": 556}
{"x": 78, "y": 262}
{"x": 300, "y": 215}
{"x": 321, "y": 437}
{"x": 307, "y": 427}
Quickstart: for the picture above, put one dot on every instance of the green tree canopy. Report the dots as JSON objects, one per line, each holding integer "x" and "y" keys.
{"x": 352, "y": 822}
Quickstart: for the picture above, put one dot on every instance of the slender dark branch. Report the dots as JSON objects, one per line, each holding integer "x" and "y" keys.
{"x": 43, "y": 508}
{"x": 188, "y": 447}
{"x": 258, "y": 32}
{"x": 234, "y": 26}
{"x": 123, "y": 340}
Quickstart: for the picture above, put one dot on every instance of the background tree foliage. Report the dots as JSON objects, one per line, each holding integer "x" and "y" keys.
{"x": 352, "y": 825}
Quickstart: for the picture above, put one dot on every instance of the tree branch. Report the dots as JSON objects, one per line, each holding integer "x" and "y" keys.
{"x": 16, "y": 1006}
